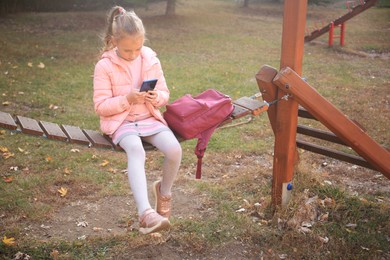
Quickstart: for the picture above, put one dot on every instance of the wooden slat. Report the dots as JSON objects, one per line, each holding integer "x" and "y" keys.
{"x": 320, "y": 134}
{"x": 7, "y": 121}
{"x": 334, "y": 154}
{"x": 255, "y": 106}
{"x": 97, "y": 139}
{"x": 239, "y": 112}
{"x": 305, "y": 114}
{"x": 75, "y": 134}
{"x": 53, "y": 131}
{"x": 29, "y": 125}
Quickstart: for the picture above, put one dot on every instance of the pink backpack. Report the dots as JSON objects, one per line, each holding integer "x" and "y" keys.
{"x": 198, "y": 117}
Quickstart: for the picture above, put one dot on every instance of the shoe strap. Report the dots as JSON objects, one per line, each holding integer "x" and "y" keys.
{"x": 145, "y": 214}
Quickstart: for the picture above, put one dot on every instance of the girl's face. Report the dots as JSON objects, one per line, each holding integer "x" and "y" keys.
{"x": 129, "y": 47}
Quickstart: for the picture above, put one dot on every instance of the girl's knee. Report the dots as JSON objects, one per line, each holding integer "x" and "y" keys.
{"x": 174, "y": 152}
{"x": 135, "y": 149}
{"x": 132, "y": 146}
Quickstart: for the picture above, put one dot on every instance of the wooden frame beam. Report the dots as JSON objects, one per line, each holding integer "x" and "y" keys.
{"x": 357, "y": 10}
{"x": 350, "y": 133}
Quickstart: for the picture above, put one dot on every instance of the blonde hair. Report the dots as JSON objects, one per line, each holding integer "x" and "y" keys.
{"x": 121, "y": 23}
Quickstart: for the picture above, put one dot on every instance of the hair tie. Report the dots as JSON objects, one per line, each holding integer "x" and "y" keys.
{"x": 122, "y": 10}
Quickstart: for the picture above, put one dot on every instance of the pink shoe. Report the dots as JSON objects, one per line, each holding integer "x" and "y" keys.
{"x": 163, "y": 204}
{"x": 151, "y": 222}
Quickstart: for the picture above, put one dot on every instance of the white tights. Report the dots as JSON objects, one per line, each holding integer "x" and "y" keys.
{"x": 164, "y": 141}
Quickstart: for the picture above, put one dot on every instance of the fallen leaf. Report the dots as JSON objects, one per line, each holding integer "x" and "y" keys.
{"x": 363, "y": 200}
{"x": 20, "y": 150}
{"x": 324, "y": 240}
{"x": 30, "y": 64}
{"x": 21, "y": 255}
{"x": 112, "y": 170}
{"x": 6, "y": 153}
{"x": 63, "y": 191}
{"x": 156, "y": 235}
{"x": 9, "y": 241}
{"x": 327, "y": 202}
{"x": 247, "y": 203}
{"x": 6, "y": 103}
{"x": 305, "y": 230}
{"x": 45, "y": 227}
{"x": 351, "y": 225}
{"x": 41, "y": 65}
{"x": 49, "y": 159}
{"x": 324, "y": 217}
{"x": 83, "y": 237}
{"x": 74, "y": 150}
{"x": 306, "y": 224}
{"x": 54, "y": 254}
{"x": 54, "y": 107}
{"x": 379, "y": 199}
{"x": 8, "y": 179}
{"x": 67, "y": 171}
{"x": 82, "y": 224}
{"x": 104, "y": 163}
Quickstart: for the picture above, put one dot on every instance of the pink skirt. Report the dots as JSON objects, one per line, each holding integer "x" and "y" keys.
{"x": 146, "y": 127}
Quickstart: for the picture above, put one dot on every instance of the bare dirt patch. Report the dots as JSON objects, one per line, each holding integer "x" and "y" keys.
{"x": 116, "y": 215}
{"x": 108, "y": 216}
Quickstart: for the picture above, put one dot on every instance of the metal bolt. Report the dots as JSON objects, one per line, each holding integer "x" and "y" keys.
{"x": 287, "y": 86}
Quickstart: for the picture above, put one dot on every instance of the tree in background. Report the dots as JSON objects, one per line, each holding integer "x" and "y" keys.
{"x": 171, "y": 7}
{"x": 13, "y": 6}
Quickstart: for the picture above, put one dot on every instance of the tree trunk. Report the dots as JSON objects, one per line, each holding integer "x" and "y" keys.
{"x": 171, "y": 7}
{"x": 246, "y": 3}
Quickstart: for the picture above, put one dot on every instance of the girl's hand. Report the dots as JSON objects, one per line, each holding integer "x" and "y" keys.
{"x": 135, "y": 97}
{"x": 152, "y": 97}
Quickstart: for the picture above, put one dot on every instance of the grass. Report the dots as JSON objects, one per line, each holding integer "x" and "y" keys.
{"x": 213, "y": 44}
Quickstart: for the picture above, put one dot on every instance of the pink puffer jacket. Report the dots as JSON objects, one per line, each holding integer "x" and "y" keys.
{"x": 112, "y": 82}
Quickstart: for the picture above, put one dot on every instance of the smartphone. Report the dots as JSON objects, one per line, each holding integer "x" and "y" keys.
{"x": 147, "y": 85}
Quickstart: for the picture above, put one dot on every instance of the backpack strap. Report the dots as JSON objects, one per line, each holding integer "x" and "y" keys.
{"x": 200, "y": 148}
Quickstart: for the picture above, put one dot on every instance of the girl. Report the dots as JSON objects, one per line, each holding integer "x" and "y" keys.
{"x": 129, "y": 116}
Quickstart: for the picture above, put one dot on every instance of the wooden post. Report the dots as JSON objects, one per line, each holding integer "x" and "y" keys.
{"x": 294, "y": 21}
{"x": 331, "y": 35}
{"x": 342, "y": 34}
{"x": 269, "y": 90}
